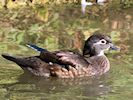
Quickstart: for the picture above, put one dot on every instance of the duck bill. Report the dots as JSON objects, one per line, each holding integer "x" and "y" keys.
{"x": 113, "y": 47}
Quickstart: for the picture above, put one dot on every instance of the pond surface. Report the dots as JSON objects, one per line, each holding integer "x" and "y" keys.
{"x": 65, "y": 28}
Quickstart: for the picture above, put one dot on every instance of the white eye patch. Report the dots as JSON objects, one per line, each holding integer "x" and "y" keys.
{"x": 102, "y": 41}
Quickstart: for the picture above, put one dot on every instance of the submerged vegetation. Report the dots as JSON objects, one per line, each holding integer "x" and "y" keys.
{"x": 51, "y": 22}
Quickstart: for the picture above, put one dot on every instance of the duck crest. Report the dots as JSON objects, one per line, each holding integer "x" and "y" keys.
{"x": 68, "y": 64}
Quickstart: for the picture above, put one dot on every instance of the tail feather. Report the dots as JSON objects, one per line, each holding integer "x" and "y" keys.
{"x": 9, "y": 57}
{"x": 34, "y": 47}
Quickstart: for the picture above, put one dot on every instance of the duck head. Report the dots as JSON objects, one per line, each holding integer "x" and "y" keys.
{"x": 97, "y": 44}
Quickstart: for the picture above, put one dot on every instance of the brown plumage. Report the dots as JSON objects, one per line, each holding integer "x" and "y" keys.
{"x": 67, "y": 64}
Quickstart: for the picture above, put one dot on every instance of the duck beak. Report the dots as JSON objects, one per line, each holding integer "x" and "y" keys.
{"x": 113, "y": 47}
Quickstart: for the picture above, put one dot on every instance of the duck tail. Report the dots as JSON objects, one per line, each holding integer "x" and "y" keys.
{"x": 11, "y": 58}
{"x": 36, "y": 48}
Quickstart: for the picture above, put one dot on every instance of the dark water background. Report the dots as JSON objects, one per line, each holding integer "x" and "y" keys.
{"x": 65, "y": 27}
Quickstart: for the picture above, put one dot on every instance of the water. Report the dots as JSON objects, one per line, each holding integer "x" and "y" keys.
{"x": 66, "y": 28}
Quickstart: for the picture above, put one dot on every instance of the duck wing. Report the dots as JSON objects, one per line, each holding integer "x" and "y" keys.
{"x": 61, "y": 57}
{"x": 64, "y": 58}
{"x": 73, "y": 59}
{"x": 45, "y": 55}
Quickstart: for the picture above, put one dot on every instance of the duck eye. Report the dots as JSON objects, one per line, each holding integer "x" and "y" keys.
{"x": 103, "y": 41}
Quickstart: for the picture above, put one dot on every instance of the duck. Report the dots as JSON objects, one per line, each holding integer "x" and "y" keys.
{"x": 68, "y": 64}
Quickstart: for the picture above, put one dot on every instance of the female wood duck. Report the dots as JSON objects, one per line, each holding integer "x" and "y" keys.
{"x": 67, "y": 64}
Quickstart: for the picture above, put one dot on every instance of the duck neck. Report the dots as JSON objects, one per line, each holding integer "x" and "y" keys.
{"x": 95, "y": 52}
{"x": 100, "y": 53}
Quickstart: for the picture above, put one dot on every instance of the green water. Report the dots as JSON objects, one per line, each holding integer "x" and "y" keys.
{"x": 57, "y": 28}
